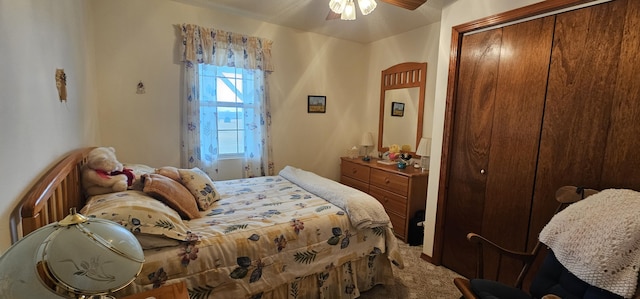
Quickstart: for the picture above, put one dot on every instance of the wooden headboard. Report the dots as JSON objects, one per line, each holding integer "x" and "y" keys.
{"x": 50, "y": 199}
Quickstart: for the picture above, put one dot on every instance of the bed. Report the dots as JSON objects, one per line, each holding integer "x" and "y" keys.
{"x": 293, "y": 235}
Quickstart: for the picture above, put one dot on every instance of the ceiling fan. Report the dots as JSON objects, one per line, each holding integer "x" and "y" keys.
{"x": 345, "y": 9}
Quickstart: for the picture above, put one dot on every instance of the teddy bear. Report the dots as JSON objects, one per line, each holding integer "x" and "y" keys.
{"x": 103, "y": 173}
{"x": 394, "y": 151}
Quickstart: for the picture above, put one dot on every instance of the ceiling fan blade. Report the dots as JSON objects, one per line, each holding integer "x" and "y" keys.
{"x": 408, "y": 4}
{"x": 332, "y": 15}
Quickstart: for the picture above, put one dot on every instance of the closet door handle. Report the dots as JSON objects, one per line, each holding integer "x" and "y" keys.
{"x": 482, "y": 171}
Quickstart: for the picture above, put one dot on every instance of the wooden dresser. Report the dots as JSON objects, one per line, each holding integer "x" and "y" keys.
{"x": 402, "y": 192}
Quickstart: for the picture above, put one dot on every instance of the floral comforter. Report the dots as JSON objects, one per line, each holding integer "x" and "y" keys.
{"x": 269, "y": 238}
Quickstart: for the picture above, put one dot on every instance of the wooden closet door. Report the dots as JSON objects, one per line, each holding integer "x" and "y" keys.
{"x": 478, "y": 65}
{"x": 589, "y": 136}
{"x": 498, "y": 116}
{"x": 622, "y": 154}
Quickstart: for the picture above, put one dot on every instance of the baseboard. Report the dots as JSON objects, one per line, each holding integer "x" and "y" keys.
{"x": 426, "y": 258}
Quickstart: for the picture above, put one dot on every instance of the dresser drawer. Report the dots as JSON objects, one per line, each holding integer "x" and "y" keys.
{"x": 393, "y": 203}
{"x": 389, "y": 181}
{"x": 360, "y": 185}
{"x": 399, "y": 225}
{"x": 396, "y": 208}
{"x": 355, "y": 171}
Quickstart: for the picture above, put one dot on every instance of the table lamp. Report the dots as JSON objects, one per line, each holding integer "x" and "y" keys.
{"x": 424, "y": 151}
{"x": 366, "y": 142}
{"x": 77, "y": 257}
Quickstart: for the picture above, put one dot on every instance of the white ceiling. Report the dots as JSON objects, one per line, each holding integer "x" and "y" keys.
{"x": 309, "y": 15}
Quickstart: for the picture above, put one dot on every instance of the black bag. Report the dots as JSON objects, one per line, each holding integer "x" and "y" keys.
{"x": 416, "y": 233}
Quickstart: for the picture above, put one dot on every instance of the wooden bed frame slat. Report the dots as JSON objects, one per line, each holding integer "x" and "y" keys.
{"x": 50, "y": 199}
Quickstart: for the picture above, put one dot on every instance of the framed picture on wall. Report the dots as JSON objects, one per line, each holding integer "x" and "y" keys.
{"x": 397, "y": 109}
{"x": 316, "y": 104}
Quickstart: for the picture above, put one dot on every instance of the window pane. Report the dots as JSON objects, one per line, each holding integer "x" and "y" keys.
{"x": 227, "y": 118}
{"x": 228, "y": 141}
{"x": 226, "y": 91}
{"x": 229, "y": 85}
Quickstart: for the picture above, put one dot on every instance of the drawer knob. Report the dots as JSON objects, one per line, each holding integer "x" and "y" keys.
{"x": 353, "y": 170}
{"x": 482, "y": 171}
{"x": 387, "y": 181}
{"x": 386, "y": 199}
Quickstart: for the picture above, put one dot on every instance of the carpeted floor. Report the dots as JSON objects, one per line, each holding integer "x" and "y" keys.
{"x": 418, "y": 279}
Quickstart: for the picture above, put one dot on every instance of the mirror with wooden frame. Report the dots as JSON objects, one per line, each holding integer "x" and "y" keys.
{"x": 402, "y": 91}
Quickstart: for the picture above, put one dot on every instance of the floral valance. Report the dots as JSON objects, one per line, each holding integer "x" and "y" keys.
{"x": 222, "y": 48}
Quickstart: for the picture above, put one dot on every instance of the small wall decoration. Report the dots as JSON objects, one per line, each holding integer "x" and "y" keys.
{"x": 397, "y": 109}
{"x": 61, "y": 84}
{"x": 140, "y": 88}
{"x": 316, "y": 104}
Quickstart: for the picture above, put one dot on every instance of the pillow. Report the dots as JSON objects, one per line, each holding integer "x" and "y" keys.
{"x": 171, "y": 193}
{"x": 139, "y": 213}
{"x": 200, "y": 186}
{"x": 170, "y": 172}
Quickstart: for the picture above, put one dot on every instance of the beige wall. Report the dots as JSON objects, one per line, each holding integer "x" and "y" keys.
{"x": 36, "y": 129}
{"x": 137, "y": 40}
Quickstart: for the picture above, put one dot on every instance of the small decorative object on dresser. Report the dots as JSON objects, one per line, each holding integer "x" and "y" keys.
{"x": 353, "y": 152}
{"x": 402, "y": 192}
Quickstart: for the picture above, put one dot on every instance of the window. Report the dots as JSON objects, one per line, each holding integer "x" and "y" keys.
{"x": 225, "y": 96}
{"x": 226, "y": 109}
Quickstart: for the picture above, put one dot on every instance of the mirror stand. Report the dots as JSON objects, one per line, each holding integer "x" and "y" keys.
{"x": 403, "y": 77}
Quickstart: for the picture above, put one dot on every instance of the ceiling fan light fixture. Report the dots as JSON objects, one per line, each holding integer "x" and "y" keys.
{"x": 367, "y": 6}
{"x": 349, "y": 12}
{"x": 337, "y": 6}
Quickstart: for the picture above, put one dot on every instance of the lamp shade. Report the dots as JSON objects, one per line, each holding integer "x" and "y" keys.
{"x": 367, "y": 6}
{"x": 337, "y": 6}
{"x": 367, "y": 139}
{"x": 424, "y": 147}
{"x": 67, "y": 259}
{"x": 349, "y": 12}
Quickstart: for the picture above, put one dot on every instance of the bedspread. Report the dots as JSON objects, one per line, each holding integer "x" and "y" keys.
{"x": 265, "y": 233}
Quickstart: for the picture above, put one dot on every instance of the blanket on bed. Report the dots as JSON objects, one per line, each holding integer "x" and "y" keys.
{"x": 364, "y": 210}
{"x": 598, "y": 240}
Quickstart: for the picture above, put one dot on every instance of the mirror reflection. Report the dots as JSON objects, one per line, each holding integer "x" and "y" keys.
{"x": 400, "y": 125}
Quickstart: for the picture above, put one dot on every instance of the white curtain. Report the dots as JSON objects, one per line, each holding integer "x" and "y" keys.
{"x": 199, "y": 141}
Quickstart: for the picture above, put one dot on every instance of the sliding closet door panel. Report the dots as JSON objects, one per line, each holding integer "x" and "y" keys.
{"x": 622, "y": 156}
{"x": 470, "y": 148}
{"x": 517, "y": 121}
{"x": 582, "y": 84}
{"x": 498, "y": 116}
